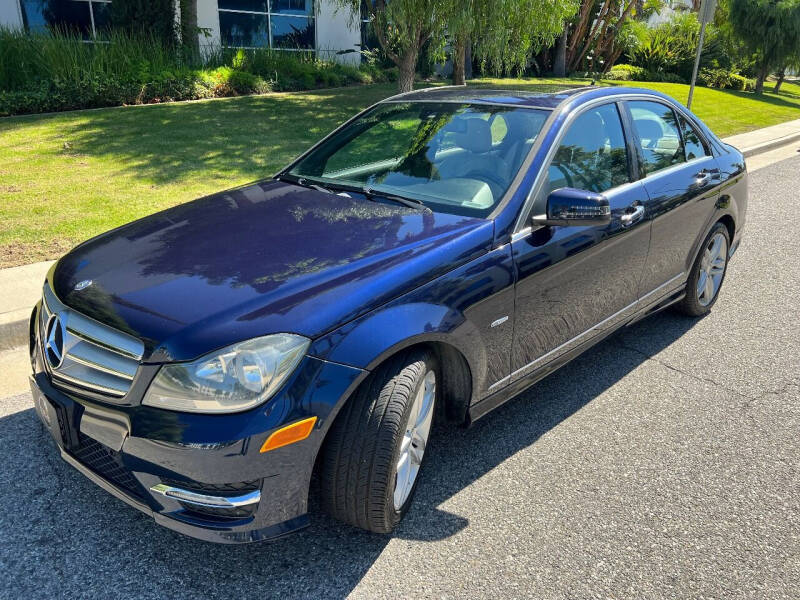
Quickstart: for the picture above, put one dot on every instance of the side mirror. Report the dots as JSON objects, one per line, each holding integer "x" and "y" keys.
{"x": 569, "y": 206}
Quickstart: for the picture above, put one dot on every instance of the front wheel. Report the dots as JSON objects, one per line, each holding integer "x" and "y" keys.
{"x": 708, "y": 273}
{"x": 375, "y": 449}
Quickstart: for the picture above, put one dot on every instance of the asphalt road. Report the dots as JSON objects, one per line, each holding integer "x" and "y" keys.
{"x": 662, "y": 464}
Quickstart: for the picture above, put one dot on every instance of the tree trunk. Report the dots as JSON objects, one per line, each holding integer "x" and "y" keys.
{"x": 459, "y": 59}
{"x": 560, "y": 60}
{"x": 468, "y": 59}
{"x": 779, "y": 83}
{"x": 189, "y": 31}
{"x": 407, "y": 66}
{"x": 763, "y": 71}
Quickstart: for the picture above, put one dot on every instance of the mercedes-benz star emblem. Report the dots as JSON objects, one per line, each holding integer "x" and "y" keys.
{"x": 54, "y": 342}
{"x": 82, "y": 285}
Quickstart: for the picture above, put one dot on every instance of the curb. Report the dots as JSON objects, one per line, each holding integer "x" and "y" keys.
{"x": 14, "y": 324}
{"x": 770, "y": 145}
{"x": 14, "y": 329}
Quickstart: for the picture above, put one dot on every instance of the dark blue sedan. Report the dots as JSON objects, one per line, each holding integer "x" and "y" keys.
{"x": 430, "y": 259}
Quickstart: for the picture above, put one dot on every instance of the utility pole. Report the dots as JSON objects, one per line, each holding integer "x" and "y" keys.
{"x": 707, "y": 9}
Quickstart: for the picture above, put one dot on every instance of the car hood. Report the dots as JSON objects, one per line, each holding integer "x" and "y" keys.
{"x": 265, "y": 258}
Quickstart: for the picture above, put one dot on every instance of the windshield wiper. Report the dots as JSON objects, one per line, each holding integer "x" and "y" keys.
{"x": 368, "y": 192}
{"x": 409, "y": 202}
{"x": 302, "y": 181}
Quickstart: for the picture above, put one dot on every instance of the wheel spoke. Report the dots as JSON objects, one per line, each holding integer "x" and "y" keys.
{"x": 415, "y": 440}
{"x": 416, "y": 453}
{"x": 716, "y": 246}
{"x": 709, "y": 291}
{"x": 712, "y": 269}
{"x": 701, "y": 283}
{"x": 402, "y": 479}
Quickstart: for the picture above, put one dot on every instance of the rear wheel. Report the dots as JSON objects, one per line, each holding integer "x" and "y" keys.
{"x": 376, "y": 446}
{"x": 708, "y": 273}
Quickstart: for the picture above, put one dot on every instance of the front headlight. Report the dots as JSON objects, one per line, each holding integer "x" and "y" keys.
{"x": 235, "y": 378}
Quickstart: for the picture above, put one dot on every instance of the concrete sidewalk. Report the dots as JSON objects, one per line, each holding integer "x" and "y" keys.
{"x": 762, "y": 140}
{"x": 21, "y": 287}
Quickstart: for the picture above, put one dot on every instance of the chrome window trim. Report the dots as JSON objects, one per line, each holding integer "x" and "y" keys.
{"x": 614, "y": 98}
{"x": 470, "y": 102}
{"x": 670, "y": 168}
{"x": 527, "y": 206}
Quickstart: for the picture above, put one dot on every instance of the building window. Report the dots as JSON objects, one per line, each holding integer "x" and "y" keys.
{"x": 284, "y": 24}
{"x": 86, "y": 18}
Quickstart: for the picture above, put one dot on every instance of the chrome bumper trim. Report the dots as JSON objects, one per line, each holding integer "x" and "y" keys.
{"x": 190, "y": 497}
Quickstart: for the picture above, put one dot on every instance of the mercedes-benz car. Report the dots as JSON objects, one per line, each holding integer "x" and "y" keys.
{"x": 430, "y": 259}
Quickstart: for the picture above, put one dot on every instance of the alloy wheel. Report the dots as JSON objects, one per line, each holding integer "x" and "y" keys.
{"x": 712, "y": 269}
{"x": 415, "y": 439}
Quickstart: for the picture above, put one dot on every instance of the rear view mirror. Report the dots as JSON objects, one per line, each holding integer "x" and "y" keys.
{"x": 570, "y": 206}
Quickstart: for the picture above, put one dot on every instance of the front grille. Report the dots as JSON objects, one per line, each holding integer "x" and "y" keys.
{"x": 96, "y": 357}
{"x": 107, "y": 463}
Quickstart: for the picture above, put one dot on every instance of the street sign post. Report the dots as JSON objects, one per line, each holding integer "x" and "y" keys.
{"x": 706, "y": 15}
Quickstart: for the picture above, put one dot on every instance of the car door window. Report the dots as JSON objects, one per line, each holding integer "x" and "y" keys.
{"x": 592, "y": 154}
{"x": 659, "y": 137}
{"x": 692, "y": 141}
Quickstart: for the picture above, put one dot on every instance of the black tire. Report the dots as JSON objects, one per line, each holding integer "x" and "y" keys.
{"x": 357, "y": 471}
{"x": 691, "y": 304}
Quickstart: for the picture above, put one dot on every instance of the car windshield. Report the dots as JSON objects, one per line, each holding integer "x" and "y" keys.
{"x": 455, "y": 158}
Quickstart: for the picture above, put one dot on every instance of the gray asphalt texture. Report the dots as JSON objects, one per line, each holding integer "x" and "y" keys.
{"x": 661, "y": 464}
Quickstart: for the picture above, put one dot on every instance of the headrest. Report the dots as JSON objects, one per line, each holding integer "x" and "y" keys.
{"x": 473, "y": 134}
{"x": 649, "y": 130}
{"x": 588, "y": 132}
{"x": 520, "y": 126}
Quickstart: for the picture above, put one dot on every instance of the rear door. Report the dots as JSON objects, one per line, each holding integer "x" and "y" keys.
{"x": 575, "y": 282}
{"x": 682, "y": 181}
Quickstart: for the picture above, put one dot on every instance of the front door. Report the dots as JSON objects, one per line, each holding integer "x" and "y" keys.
{"x": 575, "y": 282}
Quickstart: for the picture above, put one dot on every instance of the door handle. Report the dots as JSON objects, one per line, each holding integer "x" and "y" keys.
{"x": 634, "y": 216}
{"x": 702, "y": 179}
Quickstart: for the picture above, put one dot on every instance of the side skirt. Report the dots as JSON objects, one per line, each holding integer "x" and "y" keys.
{"x": 488, "y": 404}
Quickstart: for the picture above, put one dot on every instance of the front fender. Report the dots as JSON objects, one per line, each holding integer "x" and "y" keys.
{"x": 467, "y": 309}
{"x": 367, "y": 342}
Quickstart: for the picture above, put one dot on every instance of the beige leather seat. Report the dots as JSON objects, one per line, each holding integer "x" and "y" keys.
{"x": 476, "y": 140}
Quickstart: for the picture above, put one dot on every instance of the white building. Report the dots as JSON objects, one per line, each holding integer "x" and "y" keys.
{"x": 286, "y": 24}
{"x": 670, "y": 9}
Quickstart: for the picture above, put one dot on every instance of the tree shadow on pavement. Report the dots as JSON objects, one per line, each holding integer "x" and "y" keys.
{"x": 64, "y": 536}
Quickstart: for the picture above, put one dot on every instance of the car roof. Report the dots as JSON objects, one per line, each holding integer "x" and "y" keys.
{"x": 547, "y": 96}
{"x": 540, "y": 96}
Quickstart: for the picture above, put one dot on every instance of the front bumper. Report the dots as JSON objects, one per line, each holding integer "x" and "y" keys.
{"x": 134, "y": 451}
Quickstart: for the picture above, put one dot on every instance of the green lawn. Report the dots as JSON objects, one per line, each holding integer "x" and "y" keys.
{"x": 66, "y": 177}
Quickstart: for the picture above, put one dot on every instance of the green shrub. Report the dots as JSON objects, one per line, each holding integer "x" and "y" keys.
{"x": 625, "y": 73}
{"x": 56, "y": 71}
{"x": 243, "y": 82}
{"x": 725, "y": 80}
